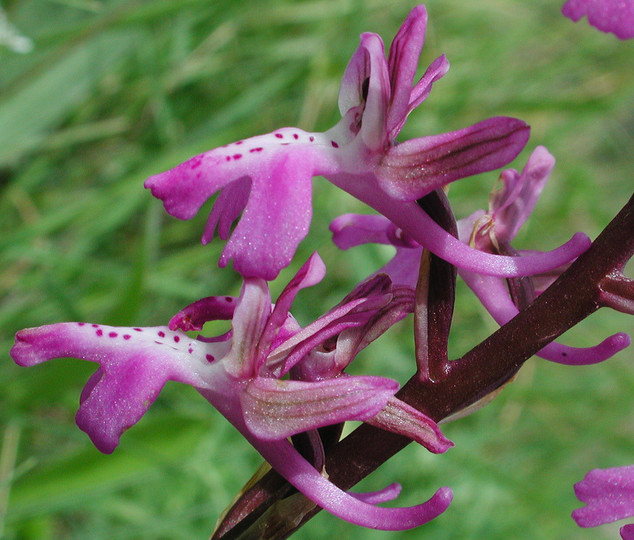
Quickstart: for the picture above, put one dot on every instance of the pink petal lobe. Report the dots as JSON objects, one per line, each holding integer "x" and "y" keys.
{"x": 402, "y": 63}
{"x": 414, "y": 168}
{"x": 399, "y": 417}
{"x": 135, "y": 363}
{"x": 608, "y": 494}
{"x": 275, "y": 409}
{"x": 513, "y": 203}
{"x": 311, "y": 273}
{"x": 249, "y": 321}
{"x": 196, "y": 314}
{"x": 266, "y": 178}
{"x": 615, "y": 16}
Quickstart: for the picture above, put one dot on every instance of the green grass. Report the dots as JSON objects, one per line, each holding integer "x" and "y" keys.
{"x": 114, "y": 91}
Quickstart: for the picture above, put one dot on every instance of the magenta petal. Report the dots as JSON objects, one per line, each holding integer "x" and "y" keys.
{"x": 350, "y": 230}
{"x": 287, "y": 461}
{"x": 436, "y": 70}
{"x": 513, "y": 203}
{"x": 402, "y": 62}
{"x": 196, "y": 314}
{"x": 311, "y": 273}
{"x": 268, "y": 176}
{"x": 373, "y": 132}
{"x": 249, "y": 321}
{"x": 414, "y": 168}
{"x": 350, "y": 314}
{"x": 627, "y": 532}
{"x": 275, "y": 409}
{"x": 135, "y": 363}
{"x": 399, "y": 417}
{"x": 608, "y": 494}
{"x": 615, "y": 16}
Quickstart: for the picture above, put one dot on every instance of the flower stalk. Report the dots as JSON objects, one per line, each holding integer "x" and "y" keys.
{"x": 575, "y": 295}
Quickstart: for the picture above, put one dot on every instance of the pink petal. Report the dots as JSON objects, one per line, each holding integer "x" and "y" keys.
{"x": 414, "y": 168}
{"x": 616, "y": 16}
{"x": 249, "y": 321}
{"x": 399, "y": 417}
{"x": 402, "y": 63}
{"x": 311, "y": 273}
{"x": 275, "y": 409}
{"x": 609, "y": 495}
{"x": 373, "y": 131}
{"x": 512, "y": 205}
{"x": 135, "y": 363}
{"x": 196, "y": 314}
{"x": 268, "y": 176}
{"x": 350, "y": 230}
{"x": 436, "y": 70}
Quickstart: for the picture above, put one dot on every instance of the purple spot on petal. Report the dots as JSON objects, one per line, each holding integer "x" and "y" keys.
{"x": 239, "y": 142}
{"x": 138, "y": 329}
{"x": 311, "y": 138}
{"x": 95, "y": 325}
{"x": 210, "y": 357}
{"x": 295, "y": 136}
{"x": 190, "y": 350}
{"x": 334, "y": 144}
{"x": 99, "y": 332}
{"x": 112, "y": 334}
{"x": 279, "y": 135}
{"x": 177, "y": 339}
{"x": 229, "y": 298}
{"x": 161, "y": 333}
{"x": 228, "y": 158}
{"x": 158, "y": 342}
{"x": 237, "y": 156}
{"x": 126, "y": 336}
{"x": 195, "y": 162}
{"x": 81, "y": 324}
{"x": 258, "y": 149}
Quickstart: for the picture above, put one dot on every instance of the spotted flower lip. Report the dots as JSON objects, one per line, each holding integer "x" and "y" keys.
{"x": 509, "y": 208}
{"x": 264, "y": 182}
{"x": 609, "y": 496}
{"x": 614, "y": 16}
{"x": 237, "y": 374}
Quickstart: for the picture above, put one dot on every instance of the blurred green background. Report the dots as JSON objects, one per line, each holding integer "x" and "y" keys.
{"x": 114, "y": 91}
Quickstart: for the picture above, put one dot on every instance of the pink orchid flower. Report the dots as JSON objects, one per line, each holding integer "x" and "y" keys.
{"x": 267, "y": 179}
{"x": 509, "y": 208}
{"x": 244, "y": 374}
{"x": 609, "y": 496}
{"x": 615, "y": 16}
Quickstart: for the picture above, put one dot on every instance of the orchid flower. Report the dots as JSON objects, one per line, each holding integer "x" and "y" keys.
{"x": 490, "y": 231}
{"x": 267, "y": 178}
{"x": 241, "y": 374}
{"x": 615, "y": 16}
{"x": 609, "y": 496}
